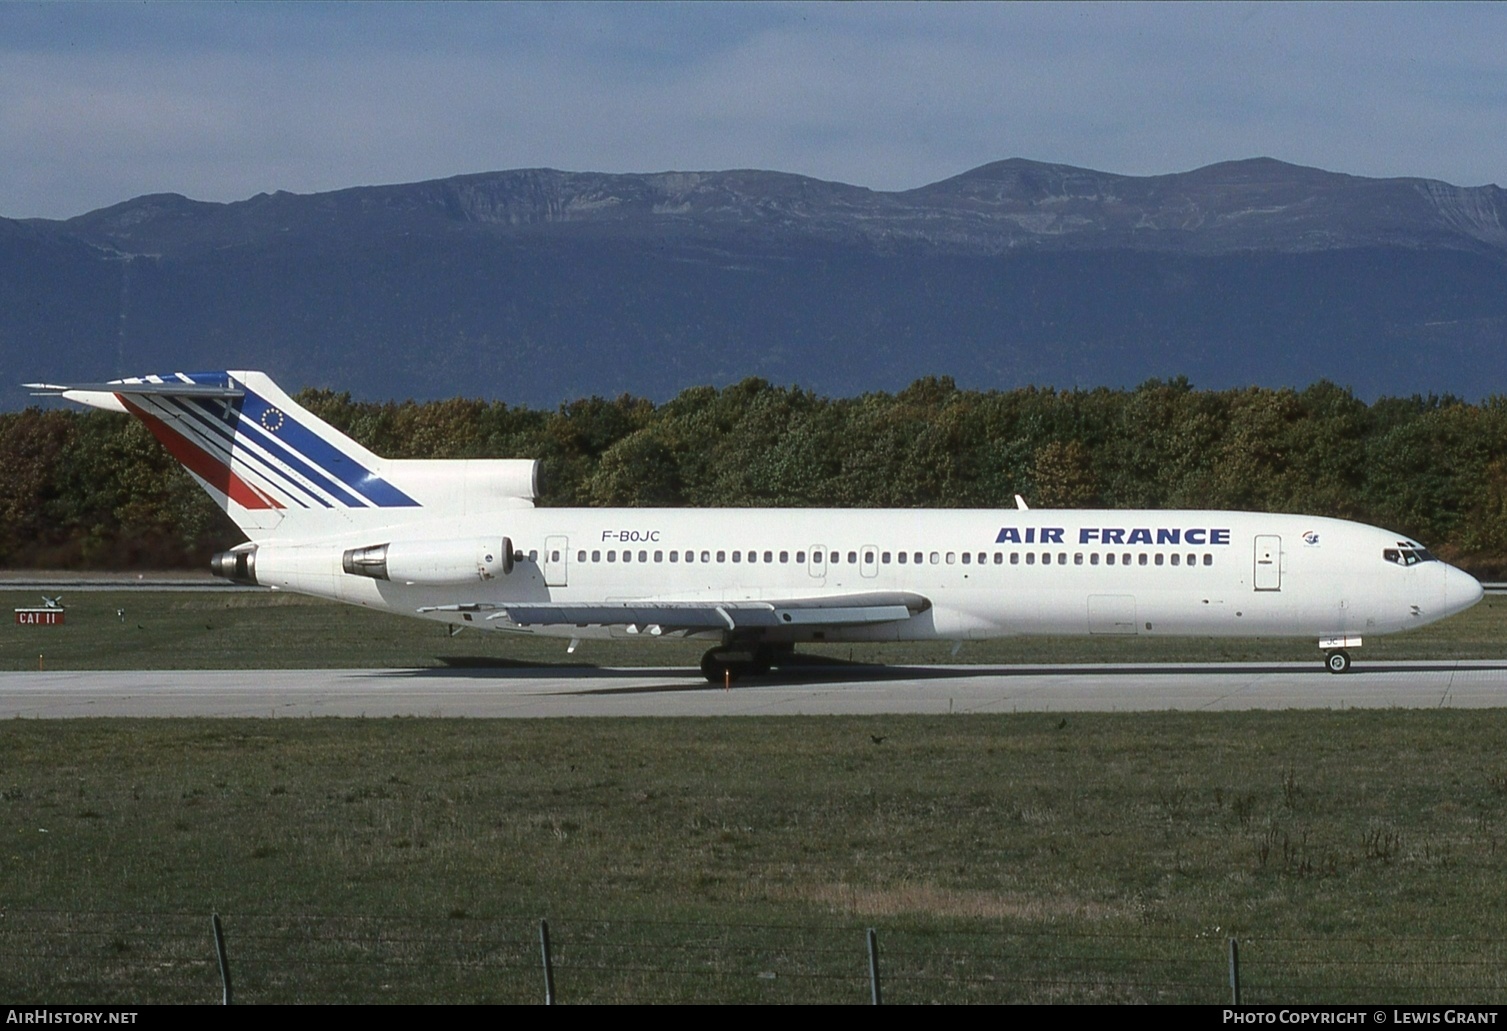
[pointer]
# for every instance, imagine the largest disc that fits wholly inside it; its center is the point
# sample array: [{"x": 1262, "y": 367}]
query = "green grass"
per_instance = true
[
  {"x": 1359, "y": 856},
  {"x": 244, "y": 630}
]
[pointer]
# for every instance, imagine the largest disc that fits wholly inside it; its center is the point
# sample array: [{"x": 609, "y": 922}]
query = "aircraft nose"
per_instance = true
[{"x": 1461, "y": 590}]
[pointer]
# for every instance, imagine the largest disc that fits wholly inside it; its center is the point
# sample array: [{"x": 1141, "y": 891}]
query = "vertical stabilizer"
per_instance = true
[
  {"x": 280, "y": 471},
  {"x": 261, "y": 455}
]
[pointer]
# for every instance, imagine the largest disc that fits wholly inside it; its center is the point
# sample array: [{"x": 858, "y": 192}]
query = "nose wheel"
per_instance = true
[{"x": 1337, "y": 661}]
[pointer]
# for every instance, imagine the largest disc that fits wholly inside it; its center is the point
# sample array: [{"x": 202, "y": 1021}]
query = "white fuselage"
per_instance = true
[
  {"x": 986, "y": 573},
  {"x": 461, "y": 541}
]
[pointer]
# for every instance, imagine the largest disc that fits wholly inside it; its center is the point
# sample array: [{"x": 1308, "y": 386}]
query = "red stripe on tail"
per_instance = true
[{"x": 201, "y": 463}]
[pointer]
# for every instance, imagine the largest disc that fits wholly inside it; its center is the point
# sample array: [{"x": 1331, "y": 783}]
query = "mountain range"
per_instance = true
[{"x": 539, "y": 286}]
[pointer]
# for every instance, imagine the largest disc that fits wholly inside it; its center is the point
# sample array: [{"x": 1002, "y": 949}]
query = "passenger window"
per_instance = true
[
  {"x": 800, "y": 558},
  {"x": 1093, "y": 558},
  {"x": 1175, "y": 557},
  {"x": 816, "y": 557},
  {"x": 596, "y": 556},
  {"x": 1015, "y": 558},
  {"x": 901, "y": 557},
  {"x": 1208, "y": 560},
  {"x": 643, "y": 556},
  {"x": 999, "y": 557},
  {"x": 1192, "y": 560},
  {"x": 674, "y": 556},
  {"x": 768, "y": 556},
  {"x": 659, "y": 556},
  {"x": 952, "y": 558},
  {"x": 1109, "y": 559},
  {"x": 706, "y": 556},
  {"x": 1046, "y": 558},
  {"x": 1159, "y": 558},
  {"x": 627, "y": 556},
  {"x": 784, "y": 557},
  {"x": 737, "y": 556},
  {"x": 690, "y": 556},
  {"x": 612, "y": 556},
  {"x": 936, "y": 557},
  {"x": 1078, "y": 558},
  {"x": 852, "y": 558},
  {"x": 884, "y": 557},
  {"x": 1030, "y": 558},
  {"x": 721, "y": 556},
  {"x": 580, "y": 556},
  {"x": 533, "y": 555},
  {"x": 967, "y": 558},
  {"x": 1143, "y": 558}
]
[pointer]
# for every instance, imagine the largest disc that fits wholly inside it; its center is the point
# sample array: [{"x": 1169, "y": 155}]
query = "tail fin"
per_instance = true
[{"x": 277, "y": 469}]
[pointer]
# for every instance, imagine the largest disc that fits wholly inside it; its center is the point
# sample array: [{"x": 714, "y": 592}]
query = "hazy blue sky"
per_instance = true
[{"x": 103, "y": 102}]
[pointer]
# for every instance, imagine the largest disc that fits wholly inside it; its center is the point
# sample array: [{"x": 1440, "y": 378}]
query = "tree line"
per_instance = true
[{"x": 93, "y": 490}]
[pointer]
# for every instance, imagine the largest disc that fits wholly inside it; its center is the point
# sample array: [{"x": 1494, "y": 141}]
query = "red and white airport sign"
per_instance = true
[{"x": 50, "y": 614}]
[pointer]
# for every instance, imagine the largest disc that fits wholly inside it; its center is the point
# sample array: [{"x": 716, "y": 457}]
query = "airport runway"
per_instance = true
[{"x": 565, "y": 691}]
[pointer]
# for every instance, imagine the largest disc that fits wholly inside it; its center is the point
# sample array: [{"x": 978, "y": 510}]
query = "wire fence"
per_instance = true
[{"x": 167, "y": 958}]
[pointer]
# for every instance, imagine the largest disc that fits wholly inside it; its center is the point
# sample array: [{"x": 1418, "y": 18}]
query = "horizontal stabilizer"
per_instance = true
[{"x": 169, "y": 388}]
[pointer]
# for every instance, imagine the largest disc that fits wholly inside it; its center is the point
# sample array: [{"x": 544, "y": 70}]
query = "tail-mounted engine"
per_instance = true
[
  {"x": 236, "y": 566},
  {"x": 432, "y": 562},
  {"x": 413, "y": 562}
]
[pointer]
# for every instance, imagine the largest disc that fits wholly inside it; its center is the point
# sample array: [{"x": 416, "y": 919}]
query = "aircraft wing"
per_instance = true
[{"x": 668, "y": 616}]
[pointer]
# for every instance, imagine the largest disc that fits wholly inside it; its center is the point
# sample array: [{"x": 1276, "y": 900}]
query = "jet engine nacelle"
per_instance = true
[{"x": 432, "y": 562}]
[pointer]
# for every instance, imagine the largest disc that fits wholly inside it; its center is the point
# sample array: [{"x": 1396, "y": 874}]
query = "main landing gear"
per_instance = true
[
  {"x": 733, "y": 661},
  {"x": 1337, "y": 661}
]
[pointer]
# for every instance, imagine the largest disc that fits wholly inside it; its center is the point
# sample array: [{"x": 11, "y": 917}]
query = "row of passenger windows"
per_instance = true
[{"x": 917, "y": 558}]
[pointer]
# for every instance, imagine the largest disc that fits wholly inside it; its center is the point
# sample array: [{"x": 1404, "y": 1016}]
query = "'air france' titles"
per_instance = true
[{"x": 1114, "y": 535}]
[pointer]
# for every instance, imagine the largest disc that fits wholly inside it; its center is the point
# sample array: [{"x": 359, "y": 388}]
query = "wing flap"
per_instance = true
[
  {"x": 836, "y": 610},
  {"x": 688, "y": 617}
]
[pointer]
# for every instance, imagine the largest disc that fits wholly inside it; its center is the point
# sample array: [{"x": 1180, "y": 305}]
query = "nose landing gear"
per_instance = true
[{"x": 1336, "y": 658}]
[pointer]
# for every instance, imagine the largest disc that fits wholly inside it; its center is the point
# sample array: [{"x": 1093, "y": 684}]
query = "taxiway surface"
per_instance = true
[{"x": 570, "y": 691}]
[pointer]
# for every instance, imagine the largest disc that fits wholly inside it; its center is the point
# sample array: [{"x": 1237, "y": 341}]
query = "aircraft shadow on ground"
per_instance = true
[{"x": 836, "y": 672}]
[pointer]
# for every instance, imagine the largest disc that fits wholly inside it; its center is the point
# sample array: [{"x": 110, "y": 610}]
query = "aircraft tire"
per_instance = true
[
  {"x": 718, "y": 670},
  {"x": 1337, "y": 662},
  {"x": 735, "y": 661}
]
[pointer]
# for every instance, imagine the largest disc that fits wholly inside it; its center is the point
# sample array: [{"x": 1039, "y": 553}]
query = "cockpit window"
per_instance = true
[{"x": 1407, "y": 555}]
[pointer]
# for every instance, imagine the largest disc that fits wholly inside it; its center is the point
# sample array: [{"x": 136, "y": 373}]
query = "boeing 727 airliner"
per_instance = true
[{"x": 460, "y": 541}]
